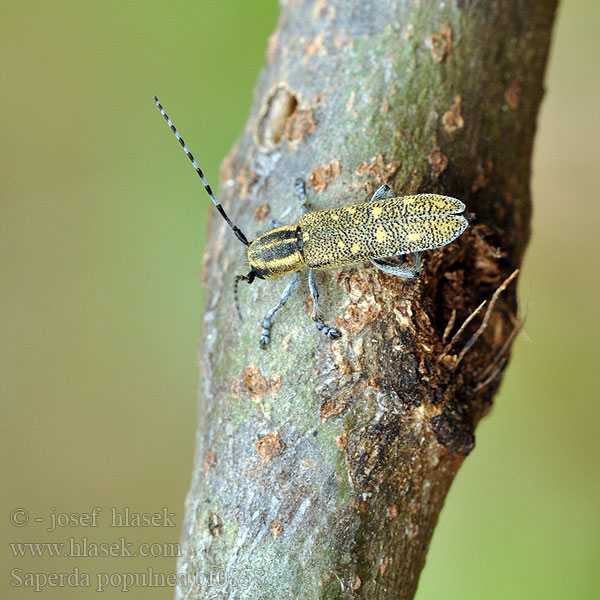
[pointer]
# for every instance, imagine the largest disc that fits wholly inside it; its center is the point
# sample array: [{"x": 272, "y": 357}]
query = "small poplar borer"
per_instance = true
[{"x": 379, "y": 231}]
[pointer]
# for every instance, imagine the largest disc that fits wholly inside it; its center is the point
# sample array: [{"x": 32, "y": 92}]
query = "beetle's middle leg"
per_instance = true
[
  {"x": 331, "y": 332},
  {"x": 292, "y": 286}
]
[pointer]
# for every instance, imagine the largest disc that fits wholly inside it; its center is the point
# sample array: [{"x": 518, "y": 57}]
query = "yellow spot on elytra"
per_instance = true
[
  {"x": 355, "y": 248},
  {"x": 341, "y": 245},
  {"x": 305, "y": 237},
  {"x": 381, "y": 234},
  {"x": 335, "y": 217},
  {"x": 415, "y": 237},
  {"x": 377, "y": 212},
  {"x": 350, "y": 209}
]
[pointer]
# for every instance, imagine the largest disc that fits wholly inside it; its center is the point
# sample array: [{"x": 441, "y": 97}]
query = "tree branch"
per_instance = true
[{"x": 321, "y": 467}]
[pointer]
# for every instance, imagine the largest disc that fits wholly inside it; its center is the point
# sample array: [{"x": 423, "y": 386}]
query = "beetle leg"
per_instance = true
[
  {"x": 385, "y": 191},
  {"x": 330, "y": 332},
  {"x": 402, "y": 270},
  {"x": 417, "y": 261},
  {"x": 301, "y": 191},
  {"x": 291, "y": 287}
]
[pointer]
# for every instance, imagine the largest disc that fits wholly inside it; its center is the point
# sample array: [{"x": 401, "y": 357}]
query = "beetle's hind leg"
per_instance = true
[
  {"x": 402, "y": 270},
  {"x": 385, "y": 191},
  {"x": 292, "y": 286},
  {"x": 330, "y": 332}
]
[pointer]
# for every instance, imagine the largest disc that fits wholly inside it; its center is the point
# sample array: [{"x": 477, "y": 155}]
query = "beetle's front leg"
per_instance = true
[
  {"x": 301, "y": 191},
  {"x": 330, "y": 332}
]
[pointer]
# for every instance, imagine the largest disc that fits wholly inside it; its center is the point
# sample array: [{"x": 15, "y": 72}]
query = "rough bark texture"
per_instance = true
[{"x": 321, "y": 467}]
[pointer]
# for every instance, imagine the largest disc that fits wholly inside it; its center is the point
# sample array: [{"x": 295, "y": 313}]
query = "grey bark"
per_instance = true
[{"x": 321, "y": 467}]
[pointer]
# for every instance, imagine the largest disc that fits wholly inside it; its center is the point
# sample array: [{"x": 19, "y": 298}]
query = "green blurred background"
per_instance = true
[{"x": 102, "y": 227}]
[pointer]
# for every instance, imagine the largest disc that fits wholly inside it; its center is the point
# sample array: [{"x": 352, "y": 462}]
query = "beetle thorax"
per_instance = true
[{"x": 276, "y": 253}]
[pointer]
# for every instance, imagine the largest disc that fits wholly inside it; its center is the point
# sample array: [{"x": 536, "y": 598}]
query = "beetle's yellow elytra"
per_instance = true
[
  {"x": 380, "y": 234},
  {"x": 380, "y": 229}
]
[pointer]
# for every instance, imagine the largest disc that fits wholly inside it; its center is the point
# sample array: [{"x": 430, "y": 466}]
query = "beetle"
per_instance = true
[{"x": 387, "y": 227}]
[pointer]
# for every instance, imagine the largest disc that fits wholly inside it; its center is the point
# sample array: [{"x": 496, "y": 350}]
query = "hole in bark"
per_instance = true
[{"x": 279, "y": 106}]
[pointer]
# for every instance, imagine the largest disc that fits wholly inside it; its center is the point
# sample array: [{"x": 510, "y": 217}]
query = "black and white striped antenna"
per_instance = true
[{"x": 207, "y": 187}]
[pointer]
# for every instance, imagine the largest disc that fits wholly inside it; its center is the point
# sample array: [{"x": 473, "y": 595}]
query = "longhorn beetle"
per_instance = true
[{"x": 383, "y": 228}]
